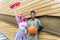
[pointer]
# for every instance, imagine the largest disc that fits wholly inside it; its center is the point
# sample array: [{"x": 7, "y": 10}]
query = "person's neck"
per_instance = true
[{"x": 32, "y": 18}]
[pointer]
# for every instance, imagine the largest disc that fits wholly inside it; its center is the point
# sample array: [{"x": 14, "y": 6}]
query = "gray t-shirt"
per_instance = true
[{"x": 36, "y": 22}]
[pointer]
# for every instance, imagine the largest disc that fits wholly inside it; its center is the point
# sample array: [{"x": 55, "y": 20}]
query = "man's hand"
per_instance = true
[{"x": 40, "y": 28}]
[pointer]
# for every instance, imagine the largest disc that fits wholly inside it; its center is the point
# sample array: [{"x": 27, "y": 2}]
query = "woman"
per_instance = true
[{"x": 21, "y": 32}]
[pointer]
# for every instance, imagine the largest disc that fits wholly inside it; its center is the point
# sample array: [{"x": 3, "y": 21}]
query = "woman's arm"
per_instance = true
[
  {"x": 26, "y": 30},
  {"x": 16, "y": 16}
]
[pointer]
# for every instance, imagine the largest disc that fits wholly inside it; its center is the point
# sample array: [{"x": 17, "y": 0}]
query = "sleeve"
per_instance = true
[
  {"x": 39, "y": 22},
  {"x": 27, "y": 23}
]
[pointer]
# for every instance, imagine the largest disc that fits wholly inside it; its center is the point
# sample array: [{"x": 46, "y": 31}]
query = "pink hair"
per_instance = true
[{"x": 20, "y": 18}]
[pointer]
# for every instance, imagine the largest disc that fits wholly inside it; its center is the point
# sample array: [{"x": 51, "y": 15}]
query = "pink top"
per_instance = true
[
  {"x": 22, "y": 21},
  {"x": 22, "y": 25}
]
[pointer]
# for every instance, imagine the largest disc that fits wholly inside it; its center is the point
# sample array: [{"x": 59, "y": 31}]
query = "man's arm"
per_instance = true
[
  {"x": 40, "y": 26},
  {"x": 39, "y": 22}
]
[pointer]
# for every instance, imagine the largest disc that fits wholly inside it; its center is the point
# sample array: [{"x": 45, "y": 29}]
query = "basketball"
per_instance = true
[{"x": 32, "y": 30}]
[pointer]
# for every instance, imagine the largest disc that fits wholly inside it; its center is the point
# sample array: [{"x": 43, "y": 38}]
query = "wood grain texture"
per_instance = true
[
  {"x": 7, "y": 29},
  {"x": 42, "y": 7}
]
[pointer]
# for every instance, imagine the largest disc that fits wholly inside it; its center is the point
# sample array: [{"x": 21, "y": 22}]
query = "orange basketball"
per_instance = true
[{"x": 32, "y": 30}]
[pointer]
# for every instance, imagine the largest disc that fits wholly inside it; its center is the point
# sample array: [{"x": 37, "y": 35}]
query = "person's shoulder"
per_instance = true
[
  {"x": 29, "y": 20},
  {"x": 36, "y": 19}
]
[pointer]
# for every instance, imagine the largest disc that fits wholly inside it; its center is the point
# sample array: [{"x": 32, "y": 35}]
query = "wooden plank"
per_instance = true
[
  {"x": 7, "y": 29},
  {"x": 21, "y": 9},
  {"x": 4, "y": 5},
  {"x": 45, "y": 13},
  {"x": 48, "y": 4},
  {"x": 47, "y": 8},
  {"x": 48, "y": 36},
  {"x": 39, "y": 13},
  {"x": 33, "y": 6},
  {"x": 54, "y": 14},
  {"x": 41, "y": 6}
]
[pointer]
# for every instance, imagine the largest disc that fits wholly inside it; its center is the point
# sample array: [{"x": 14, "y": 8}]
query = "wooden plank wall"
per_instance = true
[
  {"x": 7, "y": 29},
  {"x": 42, "y": 7}
]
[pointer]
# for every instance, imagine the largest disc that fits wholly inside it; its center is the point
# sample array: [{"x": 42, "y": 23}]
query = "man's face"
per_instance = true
[{"x": 32, "y": 16}]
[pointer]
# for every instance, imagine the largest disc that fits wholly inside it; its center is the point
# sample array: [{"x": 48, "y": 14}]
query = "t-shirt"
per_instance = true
[
  {"x": 34, "y": 22},
  {"x": 22, "y": 25}
]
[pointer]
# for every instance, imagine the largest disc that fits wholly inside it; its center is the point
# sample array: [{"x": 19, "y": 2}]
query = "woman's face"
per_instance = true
[{"x": 23, "y": 17}]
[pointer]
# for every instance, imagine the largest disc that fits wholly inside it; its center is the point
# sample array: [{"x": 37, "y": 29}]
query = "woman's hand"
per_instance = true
[{"x": 25, "y": 31}]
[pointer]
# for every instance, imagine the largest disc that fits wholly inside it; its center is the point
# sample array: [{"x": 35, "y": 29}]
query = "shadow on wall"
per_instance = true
[{"x": 51, "y": 23}]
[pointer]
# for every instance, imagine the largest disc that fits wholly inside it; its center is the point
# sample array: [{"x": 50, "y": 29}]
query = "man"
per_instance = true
[{"x": 33, "y": 22}]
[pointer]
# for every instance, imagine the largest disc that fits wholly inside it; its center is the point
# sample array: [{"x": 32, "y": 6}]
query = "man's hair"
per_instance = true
[{"x": 32, "y": 12}]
